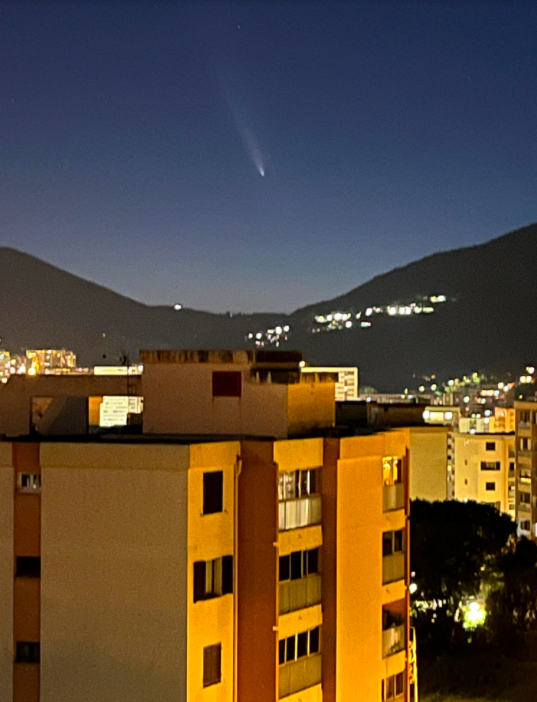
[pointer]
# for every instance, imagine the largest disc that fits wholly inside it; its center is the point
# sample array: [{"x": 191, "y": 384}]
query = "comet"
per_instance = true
[{"x": 243, "y": 124}]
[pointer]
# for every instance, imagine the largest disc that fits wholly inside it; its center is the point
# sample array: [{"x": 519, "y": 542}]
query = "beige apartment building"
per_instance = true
[
  {"x": 526, "y": 467},
  {"x": 485, "y": 469},
  {"x": 166, "y": 566}
]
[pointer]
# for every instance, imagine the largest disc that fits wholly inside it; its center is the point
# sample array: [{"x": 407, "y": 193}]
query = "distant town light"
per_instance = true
[{"x": 178, "y": 307}]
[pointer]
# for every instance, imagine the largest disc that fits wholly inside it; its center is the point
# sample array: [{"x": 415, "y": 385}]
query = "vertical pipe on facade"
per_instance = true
[{"x": 238, "y": 469}]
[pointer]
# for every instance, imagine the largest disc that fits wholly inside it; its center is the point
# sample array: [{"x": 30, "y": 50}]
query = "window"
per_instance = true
[
  {"x": 525, "y": 525},
  {"x": 392, "y": 469},
  {"x": 490, "y": 446},
  {"x": 392, "y": 542},
  {"x": 524, "y": 444},
  {"x": 511, "y": 467},
  {"x": 299, "y": 564},
  {"x": 29, "y": 482},
  {"x": 525, "y": 416},
  {"x": 212, "y": 665},
  {"x": 490, "y": 486},
  {"x": 307, "y": 643},
  {"x": 28, "y": 567},
  {"x": 393, "y": 686},
  {"x": 213, "y": 578},
  {"x": 27, "y": 652},
  {"x": 298, "y": 483},
  {"x": 213, "y": 492},
  {"x": 525, "y": 498},
  {"x": 490, "y": 465},
  {"x": 227, "y": 384}
]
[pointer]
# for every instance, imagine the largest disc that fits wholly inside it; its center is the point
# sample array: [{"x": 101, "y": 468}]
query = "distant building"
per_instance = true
[
  {"x": 485, "y": 469},
  {"x": 176, "y": 568},
  {"x": 347, "y": 380},
  {"x": 526, "y": 467},
  {"x": 46, "y": 360}
]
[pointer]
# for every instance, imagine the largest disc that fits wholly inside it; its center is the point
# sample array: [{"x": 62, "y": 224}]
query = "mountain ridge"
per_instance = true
[{"x": 485, "y": 322}]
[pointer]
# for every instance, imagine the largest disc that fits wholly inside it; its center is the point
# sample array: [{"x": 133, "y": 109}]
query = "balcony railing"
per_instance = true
[
  {"x": 393, "y": 640},
  {"x": 299, "y": 675},
  {"x": 301, "y": 593},
  {"x": 393, "y": 568},
  {"x": 524, "y": 453},
  {"x": 524, "y": 425},
  {"x": 524, "y": 507},
  {"x": 393, "y": 497},
  {"x": 301, "y": 512}
]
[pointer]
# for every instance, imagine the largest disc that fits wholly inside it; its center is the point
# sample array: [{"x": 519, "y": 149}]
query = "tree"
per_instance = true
[{"x": 456, "y": 551}]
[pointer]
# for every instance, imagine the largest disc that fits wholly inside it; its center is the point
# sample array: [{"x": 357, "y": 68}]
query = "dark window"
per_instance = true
[
  {"x": 313, "y": 482},
  {"x": 512, "y": 467},
  {"x": 302, "y": 645},
  {"x": 490, "y": 486},
  {"x": 213, "y": 578},
  {"x": 285, "y": 572},
  {"x": 525, "y": 525},
  {"x": 490, "y": 446},
  {"x": 199, "y": 581},
  {"x": 313, "y": 560},
  {"x": 212, "y": 665},
  {"x": 227, "y": 575},
  {"x": 490, "y": 465},
  {"x": 290, "y": 654},
  {"x": 281, "y": 646},
  {"x": 525, "y": 498},
  {"x": 314, "y": 640},
  {"x": 399, "y": 683},
  {"x": 296, "y": 565},
  {"x": 28, "y": 567},
  {"x": 27, "y": 652},
  {"x": 213, "y": 492},
  {"x": 227, "y": 384},
  {"x": 398, "y": 540},
  {"x": 387, "y": 543}
]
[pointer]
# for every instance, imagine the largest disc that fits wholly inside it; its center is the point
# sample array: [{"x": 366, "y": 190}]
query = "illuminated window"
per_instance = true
[
  {"x": 28, "y": 567},
  {"x": 212, "y": 665},
  {"x": 227, "y": 384},
  {"x": 27, "y": 652},
  {"x": 213, "y": 492},
  {"x": 299, "y": 483},
  {"x": 306, "y": 643},
  {"x": 213, "y": 578},
  {"x": 29, "y": 482},
  {"x": 392, "y": 470}
]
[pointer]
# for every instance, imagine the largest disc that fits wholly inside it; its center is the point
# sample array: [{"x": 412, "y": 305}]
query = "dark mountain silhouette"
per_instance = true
[{"x": 488, "y": 322}]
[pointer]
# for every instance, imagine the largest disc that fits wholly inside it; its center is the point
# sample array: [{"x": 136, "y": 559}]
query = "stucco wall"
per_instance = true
[{"x": 114, "y": 573}]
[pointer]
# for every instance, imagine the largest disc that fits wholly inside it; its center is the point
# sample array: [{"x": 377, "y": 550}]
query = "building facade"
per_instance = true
[
  {"x": 526, "y": 468},
  {"x": 240, "y": 570}
]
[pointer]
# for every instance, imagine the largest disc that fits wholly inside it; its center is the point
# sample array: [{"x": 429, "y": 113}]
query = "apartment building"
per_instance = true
[
  {"x": 160, "y": 567},
  {"x": 485, "y": 469},
  {"x": 526, "y": 467}
]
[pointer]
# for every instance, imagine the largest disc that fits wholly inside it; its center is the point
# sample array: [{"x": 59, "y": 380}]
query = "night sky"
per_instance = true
[{"x": 134, "y": 136}]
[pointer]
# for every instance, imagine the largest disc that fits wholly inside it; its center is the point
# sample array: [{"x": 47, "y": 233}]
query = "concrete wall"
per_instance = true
[
  {"x": 6, "y": 572},
  {"x": 114, "y": 573},
  {"x": 428, "y": 463},
  {"x": 210, "y": 536},
  {"x": 360, "y": 593},
  {"x": 311, "y": 405},
  {"x": 178, "y": 399}
]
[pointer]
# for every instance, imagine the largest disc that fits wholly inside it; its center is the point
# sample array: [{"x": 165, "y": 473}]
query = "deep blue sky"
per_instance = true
[{"x": 131, "y": 134}]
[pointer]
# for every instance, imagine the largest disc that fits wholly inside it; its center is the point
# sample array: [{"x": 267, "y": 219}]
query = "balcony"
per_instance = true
[
  {"x": 393, "y": 497},
  {"x": 299, "y": 675},
  {"x": 393, "y": 640},
  {"x": 301, "y": 593},
  {"x": 524, "y": 425},
  {"x": 301, "y": 512},
  {"x": 524, "y": 507},
  {"x": 393, "y": 568}
]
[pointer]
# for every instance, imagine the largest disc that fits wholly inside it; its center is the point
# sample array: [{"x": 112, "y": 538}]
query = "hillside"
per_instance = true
[{"x": 486, "y": 321}]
